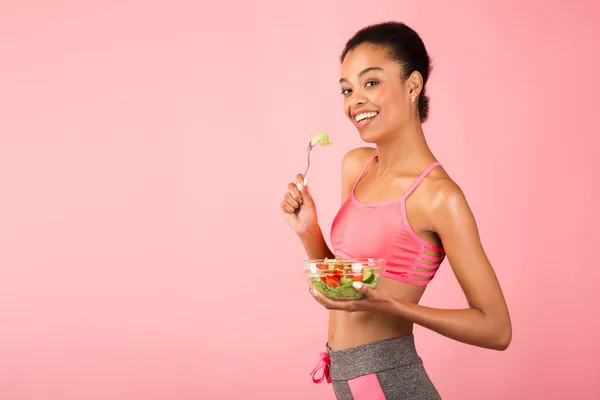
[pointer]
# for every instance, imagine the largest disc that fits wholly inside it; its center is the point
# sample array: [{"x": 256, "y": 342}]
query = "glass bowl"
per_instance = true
[{"x": 334, "y": 277}]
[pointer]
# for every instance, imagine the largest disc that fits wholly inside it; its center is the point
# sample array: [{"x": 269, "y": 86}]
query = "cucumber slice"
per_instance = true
[
  {"x": 374, "y": 283},
  {"x": 368, "y": 277}
]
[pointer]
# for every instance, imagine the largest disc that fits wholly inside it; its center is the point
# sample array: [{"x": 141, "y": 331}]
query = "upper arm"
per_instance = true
[
  {"x": 353, "y": 164},
  {"x": 455, "y": 224}
]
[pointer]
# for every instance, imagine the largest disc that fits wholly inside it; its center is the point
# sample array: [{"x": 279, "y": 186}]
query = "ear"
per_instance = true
[{"x": 415, "y": 84}]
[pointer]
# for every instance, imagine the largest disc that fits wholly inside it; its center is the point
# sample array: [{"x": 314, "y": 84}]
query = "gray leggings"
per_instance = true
[{"x": 388, "y": 369}]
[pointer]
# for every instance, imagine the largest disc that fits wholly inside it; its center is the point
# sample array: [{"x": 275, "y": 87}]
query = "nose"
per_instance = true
[{"x": 357, "y": 100}]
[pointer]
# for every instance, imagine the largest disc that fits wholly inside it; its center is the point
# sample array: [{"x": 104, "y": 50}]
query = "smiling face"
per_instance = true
[{"x": 376, "y": 98}]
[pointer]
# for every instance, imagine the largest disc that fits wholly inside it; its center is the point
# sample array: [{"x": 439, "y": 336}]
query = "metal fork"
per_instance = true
[{"x": 308, "y": 150}]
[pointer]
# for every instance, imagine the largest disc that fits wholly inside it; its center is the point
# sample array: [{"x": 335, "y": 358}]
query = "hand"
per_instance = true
[
  {"x": 374, "y": 300},
  {"x": 298, "y": 207}
]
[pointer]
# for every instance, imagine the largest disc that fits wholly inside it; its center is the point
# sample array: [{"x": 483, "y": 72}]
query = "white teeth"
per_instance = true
[{"x": 362, "y": 116}]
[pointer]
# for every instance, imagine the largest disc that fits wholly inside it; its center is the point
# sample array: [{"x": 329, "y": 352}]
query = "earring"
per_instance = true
[{"x": 412, "y": 99}]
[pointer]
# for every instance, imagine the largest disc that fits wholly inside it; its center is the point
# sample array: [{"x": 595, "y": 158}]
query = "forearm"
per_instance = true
[
  {"x": 470, "y": 326},
  {"x": 315, "y": 245}
]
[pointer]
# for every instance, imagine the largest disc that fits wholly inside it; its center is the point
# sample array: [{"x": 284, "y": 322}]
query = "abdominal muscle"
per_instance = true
[{"x": 362, "y": 327}]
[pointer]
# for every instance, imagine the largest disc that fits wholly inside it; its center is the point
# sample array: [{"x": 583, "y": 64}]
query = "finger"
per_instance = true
[
  {"x": 294, "y": 192},
  {"x": 300, "y": 182},
  {"x": 287, "y": 208},
  {"x": 306, "y": 196},
  {"x": 291, "y": 201},
  {"x": 362, "y": 288},
  {"x": 320, "y": 299},
  {"x": 331, "y": 304}
]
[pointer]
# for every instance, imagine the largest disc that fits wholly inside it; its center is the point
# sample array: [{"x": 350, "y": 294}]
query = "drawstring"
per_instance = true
[{"x": 323, "y": 363}]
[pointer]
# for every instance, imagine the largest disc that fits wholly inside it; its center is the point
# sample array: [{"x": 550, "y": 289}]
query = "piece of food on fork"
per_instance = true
[{"x": 322, "y": 138}]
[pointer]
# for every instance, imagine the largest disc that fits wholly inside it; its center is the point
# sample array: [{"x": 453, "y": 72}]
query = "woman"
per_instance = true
[{"x": 399, "y": 204}]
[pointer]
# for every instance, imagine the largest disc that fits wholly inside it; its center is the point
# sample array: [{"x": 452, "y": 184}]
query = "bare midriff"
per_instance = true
[{"x": 362, "y": 327}]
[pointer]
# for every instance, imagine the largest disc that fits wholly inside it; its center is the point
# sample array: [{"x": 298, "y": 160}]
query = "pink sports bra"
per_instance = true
[{"x": 381, "y": 230}]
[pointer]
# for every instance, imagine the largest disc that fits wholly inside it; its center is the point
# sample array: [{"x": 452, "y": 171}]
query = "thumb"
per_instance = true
[
  {"x": 362, "y": 288},
  {"x": 305, "y": 191}
]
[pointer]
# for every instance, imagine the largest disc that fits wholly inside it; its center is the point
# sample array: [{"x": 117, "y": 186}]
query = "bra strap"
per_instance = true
[
  {"x": 364, "y": 172},
  {"x": 420, "y": 179}
]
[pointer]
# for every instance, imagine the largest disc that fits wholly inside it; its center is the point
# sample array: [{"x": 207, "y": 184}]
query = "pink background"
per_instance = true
[{"x": 142, "y": 259}]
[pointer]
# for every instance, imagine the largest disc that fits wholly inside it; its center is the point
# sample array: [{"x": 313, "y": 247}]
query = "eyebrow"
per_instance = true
[{"x": 364, "y": 71}]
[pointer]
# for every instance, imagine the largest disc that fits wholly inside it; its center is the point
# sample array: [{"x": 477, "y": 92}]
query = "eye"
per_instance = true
[
  {"x": 371, "y": 83},
  {"x": 346, "y": 92}
]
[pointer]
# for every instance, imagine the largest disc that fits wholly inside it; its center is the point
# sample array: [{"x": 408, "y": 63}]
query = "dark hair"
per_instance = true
[{"x": 404, "y": 46}]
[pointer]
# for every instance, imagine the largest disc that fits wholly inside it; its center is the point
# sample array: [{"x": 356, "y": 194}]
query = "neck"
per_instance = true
[{"x": 406, "y": 151}]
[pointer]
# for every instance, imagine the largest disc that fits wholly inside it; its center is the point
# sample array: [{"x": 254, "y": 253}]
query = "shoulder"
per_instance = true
[
  {"x": 445, "y": 192},
  {"x": 353, "y": 164},
  {"x": 355, "y": 161},
  {"x": 448, "y": 203}
]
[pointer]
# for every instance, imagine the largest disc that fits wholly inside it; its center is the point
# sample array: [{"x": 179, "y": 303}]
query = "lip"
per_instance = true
[{"x": 364, "y": 122}]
